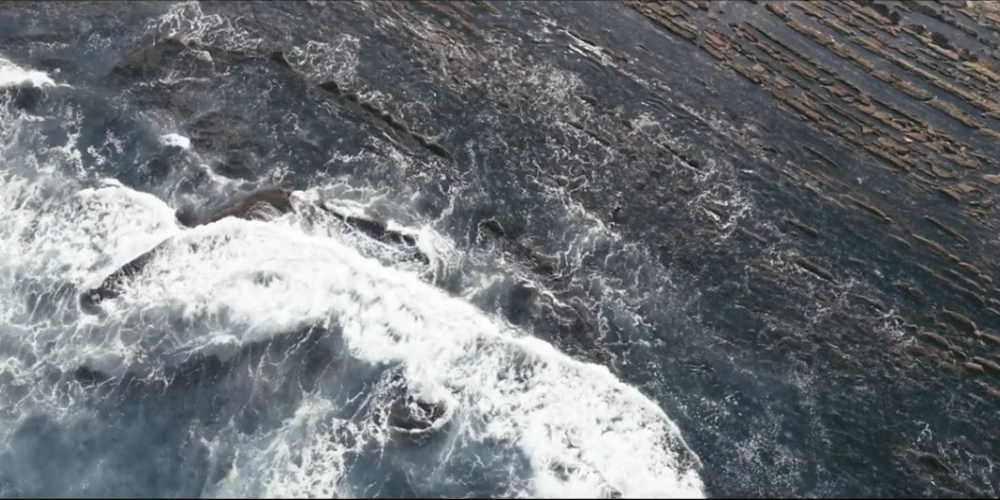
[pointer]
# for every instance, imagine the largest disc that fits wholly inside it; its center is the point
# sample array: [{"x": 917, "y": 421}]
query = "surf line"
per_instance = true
[{"x": 260, "y": 205}]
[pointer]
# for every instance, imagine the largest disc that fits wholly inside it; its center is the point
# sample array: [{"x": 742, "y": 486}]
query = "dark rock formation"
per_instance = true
[{"x": 259, "y": 205}]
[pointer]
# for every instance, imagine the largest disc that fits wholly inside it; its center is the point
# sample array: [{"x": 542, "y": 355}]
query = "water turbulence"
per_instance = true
[{"x": 275, "y": 358}]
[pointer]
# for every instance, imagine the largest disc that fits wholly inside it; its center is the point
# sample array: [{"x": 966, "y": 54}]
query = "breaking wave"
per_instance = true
[{"x": 526, "y": 419}]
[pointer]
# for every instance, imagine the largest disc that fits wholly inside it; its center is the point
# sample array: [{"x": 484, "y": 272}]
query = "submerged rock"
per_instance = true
[{"x": 259, "y": 205}]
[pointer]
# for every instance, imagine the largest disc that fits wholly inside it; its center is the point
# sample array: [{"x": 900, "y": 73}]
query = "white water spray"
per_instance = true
[{"x": 582, "y": 431}]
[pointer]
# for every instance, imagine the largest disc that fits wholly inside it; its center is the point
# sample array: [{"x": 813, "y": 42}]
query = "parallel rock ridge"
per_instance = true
[
  {"x": 930, "y": 109},
  {"x": 946, "y": 79}
]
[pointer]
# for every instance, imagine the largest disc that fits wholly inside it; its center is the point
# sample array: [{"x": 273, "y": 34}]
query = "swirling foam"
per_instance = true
[{"x": 582, "y": 431}]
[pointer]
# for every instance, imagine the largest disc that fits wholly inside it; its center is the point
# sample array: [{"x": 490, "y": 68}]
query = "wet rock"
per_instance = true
[
  {"x": 278, "y": 57},
  {"x": 801, "y": 226},
  {"x": 892, "y": 15},
  {"x": 219, "y": 130},
  {"x": 113, "y": 285},
  {"x": 932, "y": 462},
  {"x": 941, "y": 40},
  {"x": 376, "y": 115},
  {"x": 152, "y": 57},
  {"x": 522, "y": 251},
  {"x": 493, "y": 227},
  {"x": 331, "y": 87},
  {"x": 169, "y": 161},
  {"x": 915, "y": 350},
  {"x": 407, "y": 414},
  {"x": 37, "y": 37},
  {"x": 540, "y": 263},
  {"x": 815, "y": 269},
  {"x": 987, "y": 364},
  {"x": 238, "y": 164},
  {"x": 411, "y": 415},
  {"x": 259, "y": 205},
  {"x": 256, "y": 206},
  {"x": 974, "y": 367},
  {"x": 186, "y": 215},
  {"x": 25, "y": 98},
  {"x": 378, "y": 230}
]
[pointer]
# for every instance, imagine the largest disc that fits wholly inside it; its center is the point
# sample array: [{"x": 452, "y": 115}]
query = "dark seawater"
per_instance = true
[{"x": 608, "y": 254}]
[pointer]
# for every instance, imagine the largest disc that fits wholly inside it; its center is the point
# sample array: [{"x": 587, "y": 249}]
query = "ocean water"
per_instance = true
[{"x": 209, "y": 388}]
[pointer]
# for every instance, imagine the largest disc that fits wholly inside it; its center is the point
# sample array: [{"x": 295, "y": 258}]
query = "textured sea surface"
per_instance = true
[{"x": 677, "y": 249}]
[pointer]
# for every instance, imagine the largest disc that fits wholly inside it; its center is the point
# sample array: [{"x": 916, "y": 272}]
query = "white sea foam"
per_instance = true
[
  {"x": 175, "y": 140},
  {"x": 581, "y": 431},
  {"x": 12, "y": 75}
]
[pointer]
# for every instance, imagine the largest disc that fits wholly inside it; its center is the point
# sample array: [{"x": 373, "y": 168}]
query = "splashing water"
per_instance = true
[{"x": 528, "y": 420}]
